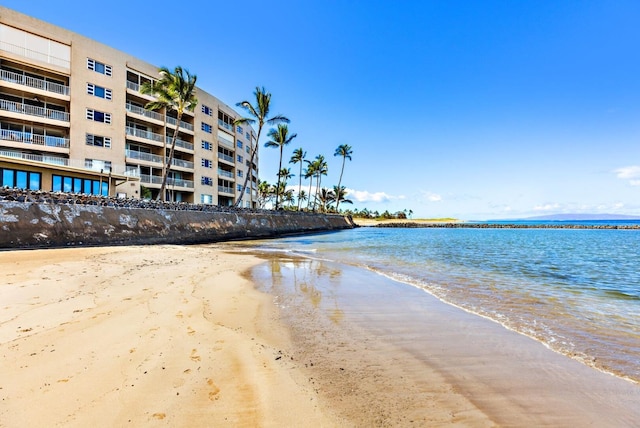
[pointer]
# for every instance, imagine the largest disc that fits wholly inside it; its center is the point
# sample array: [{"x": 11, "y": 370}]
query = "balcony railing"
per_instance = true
[
  {"x": 225, "y": 125},
  {"x": 131, "y": 154},
  {"x": 155, "y": 179},
  {"x": 182, "y": 163},
  {"x": 28, "y": 53},
  {"x": 181, "y": 143},
  {"x": 226, "y": 143},
  {"x": 226, "y": 157},
  {"x": 133, "y": 86},
  {"x": 183, "y": 124},
  {"x": 30, "y": 110},
  {"x": 144, "y": 112},
  {"x": 225, "y": 173},
  {"x": 60, "y": 161},
  {"x": 37, "y": 139},
  {"x": 224, "y": 189},
  {"x": 32, "y": 82},
  {"x": 144, "y": 134}
]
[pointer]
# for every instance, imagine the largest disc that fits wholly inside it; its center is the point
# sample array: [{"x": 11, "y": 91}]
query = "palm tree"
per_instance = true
[
  {"x": 339, "y": 195},
  {"x": 279, "y": 138},
  {"x": 302, "y": 196},
  {"x": 259, "y": 113},
  {"x": 297, "y": 157},
  {"x": 173, "y": 91},
  {"x": 321, "y": 168},
  {"x": 310, "y": 172},
  {"x": 265, "y": 190},
  {"x": 324, "y": 197},
  {"x": 345, "y": 151}
]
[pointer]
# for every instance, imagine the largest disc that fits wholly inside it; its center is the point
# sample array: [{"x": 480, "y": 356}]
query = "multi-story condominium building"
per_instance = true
[{"x": 73, "y": 119}]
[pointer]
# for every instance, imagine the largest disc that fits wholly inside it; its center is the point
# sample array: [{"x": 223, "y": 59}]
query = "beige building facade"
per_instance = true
[{"x": 72, "y": 119}]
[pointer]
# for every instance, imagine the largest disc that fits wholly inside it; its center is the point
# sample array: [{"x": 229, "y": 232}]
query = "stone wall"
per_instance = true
[{"x": 44, "y": 220}]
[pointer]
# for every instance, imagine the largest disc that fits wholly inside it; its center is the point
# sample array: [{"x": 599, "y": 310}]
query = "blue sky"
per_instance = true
[{"x": 466, "y": 109}]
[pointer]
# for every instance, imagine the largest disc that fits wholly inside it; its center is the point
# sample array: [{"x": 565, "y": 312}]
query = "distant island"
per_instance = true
[{"x": 580, "y": 217}]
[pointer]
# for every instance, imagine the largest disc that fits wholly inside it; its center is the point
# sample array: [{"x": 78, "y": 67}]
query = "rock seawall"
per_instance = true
[{"x": 34, "y": 221}]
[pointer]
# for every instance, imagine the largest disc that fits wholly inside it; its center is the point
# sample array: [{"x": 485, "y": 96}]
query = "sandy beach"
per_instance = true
[{"x": 200, "y": 336}]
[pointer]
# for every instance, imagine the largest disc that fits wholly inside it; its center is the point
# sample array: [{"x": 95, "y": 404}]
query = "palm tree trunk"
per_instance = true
[
  {"x": 339, "y": 183},
  {"x": 299, "y": 184},
  {"x": 169, "y": 160},
  {"x": 246, "y": 178},
  {"x": 279, "y": 169},
  {"x": 309, "y": 200}
]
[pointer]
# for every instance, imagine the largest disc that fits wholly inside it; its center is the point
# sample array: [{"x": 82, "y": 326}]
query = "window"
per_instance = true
[
  {"x": 98, "y": 141},
  {"x": 67, "y": 184},
  {"x": 98, "y": 91},
  {"x": 20, "y": 179},
  {"x": 207, "y": 181},
  {"x": 239, "y": 173},
  {"x": 207, "y": 163},
  {"x": 239, "y": 187},
  {"x": 206, "y": 199},
  {"x": 239, "y": 144},
  {"x": 207, "y": 145},
  {"x": 240, "y": 158},
  {"x": 98, "y": 67},
  {"x": 248, "y": 136},
  {"x": 98, "y": 116},
  {"x": 206, "y": 127},
  {"x": 240, "y": 130},
  {"x": 97, "y": 165},
  {"x": 207, "y": 110},
  {"x": 247, "y": 149}
]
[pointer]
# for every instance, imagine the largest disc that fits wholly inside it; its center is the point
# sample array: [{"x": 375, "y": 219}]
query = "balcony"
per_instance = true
[
  {"x": 181, "y": 163},
  {"x": 144, "y": 112},
  {"x": 29, "y": 53},
  {"x": 133, "y": 86},
  {"x": 143, "y": 134},
  {"x": 226, "y": 143},
  {"x": 60, "y": 161},
  {"x": 181, "y": 143},
  {"x": 225, "y": 125},
  {"x": 224, "y": 189},
  {"x": 37, "y": 139},
  {"x": 155, "y": 179},
  {"x": 148, "y": 157},
  {"x": 226, "y": 158},
  {"x": 183, "y": 124},
  {"x": 224, "y": 173},
  {"x": 32, "y": 82},
  {"x": 15, "y": 107}
]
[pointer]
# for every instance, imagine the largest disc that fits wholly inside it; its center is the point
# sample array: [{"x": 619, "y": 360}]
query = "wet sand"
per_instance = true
[
  {"x": 392, "y": 355},
  {"x": 177, "y": 336}
]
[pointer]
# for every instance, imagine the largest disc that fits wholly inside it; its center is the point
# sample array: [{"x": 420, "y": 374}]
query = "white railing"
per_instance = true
[
  {"x": 32, "y": 82},
  {"x": 225, "y": 157},
  {"x": 183, "y": 124},
  {"x": 28, "y": 53},
  {"x": 181, "y": 163},
  {"x": 132, "y": 154},
  {"x": 223, "y": 189},
  {"x": 144, "y": 134},
  {"x": 30, "y": 110},
  {"x": 29, "y": 138},
  {"x": 181, "y": 143},
  {"x": 155, "y": 179},
  {"x": 60, "y": 161},
  {"x": 224, "y": 173},
  {"x": 144, "y": 112},
  {"x": 225, "y": 125},
  {"x": 133, "y": 86}
]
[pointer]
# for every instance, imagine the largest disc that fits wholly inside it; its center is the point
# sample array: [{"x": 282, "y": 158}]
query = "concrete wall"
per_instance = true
[{"x": 44, "y": 225}]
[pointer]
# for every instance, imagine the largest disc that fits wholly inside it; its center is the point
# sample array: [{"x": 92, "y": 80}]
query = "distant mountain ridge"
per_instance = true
[{"x": 582, "y": 217}]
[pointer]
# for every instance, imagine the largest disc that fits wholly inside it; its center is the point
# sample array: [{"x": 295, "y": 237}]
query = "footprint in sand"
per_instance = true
[
  {"x": 213, "y": 394},
  {"x": 194, "y": 355},
  {"x": 190, "y": 331},
  {"x": 159, "y": 415}
]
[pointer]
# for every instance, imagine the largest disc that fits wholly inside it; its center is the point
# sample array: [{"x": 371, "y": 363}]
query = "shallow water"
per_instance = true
[{"x": 576, "y": 291}]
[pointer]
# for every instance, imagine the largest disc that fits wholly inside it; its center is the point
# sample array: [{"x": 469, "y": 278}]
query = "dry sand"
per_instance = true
[{"x": 142, "y": 336}]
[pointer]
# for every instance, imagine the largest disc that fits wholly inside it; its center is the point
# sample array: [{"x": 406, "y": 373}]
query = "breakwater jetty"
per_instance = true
[
  {"x": 46, "y": 220},
  {"x": 462, "y": 225}
]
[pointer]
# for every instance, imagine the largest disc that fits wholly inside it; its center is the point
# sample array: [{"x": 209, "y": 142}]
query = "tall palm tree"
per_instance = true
[
  {"x": 258, "y": 113},
  {"x": 297, "y": 157},
  {"x": 321, "y": 168},
  {"x": 338, "y": 195},
  {"x": 173, "y": 91},
  {"x": 279, "y": 138},
  {"x": 310, "y": 172},
  {"x": 302, "y": 196},
  {"x": 345, "y": 151}
]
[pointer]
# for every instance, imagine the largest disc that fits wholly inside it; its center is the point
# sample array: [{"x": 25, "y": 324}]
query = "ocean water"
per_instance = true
[{"x": 576, "y": 291}]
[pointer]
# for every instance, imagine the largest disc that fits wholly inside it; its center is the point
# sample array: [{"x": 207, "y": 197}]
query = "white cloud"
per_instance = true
[
  {"x": 366, "y": 196},
  {"x": 546, "y": 207},
  {"x": 631, "y": 173}
]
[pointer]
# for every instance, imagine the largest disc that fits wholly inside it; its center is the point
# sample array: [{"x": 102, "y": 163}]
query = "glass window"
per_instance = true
[
  {"x": 96, "y": 187},
  {"x": 7, "y": 178},
  {"x": 67, "y": 184},
  {"x": 21, "y": 179},
  {"x": 77, "y": 185},
  {"x": 105, "y": 189},
  {"x": 56, "y": 185},
  {"x": 35, "y": 181},
  {"x": 86, "y": 188},
  {"x": 206, "y": 127}
]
